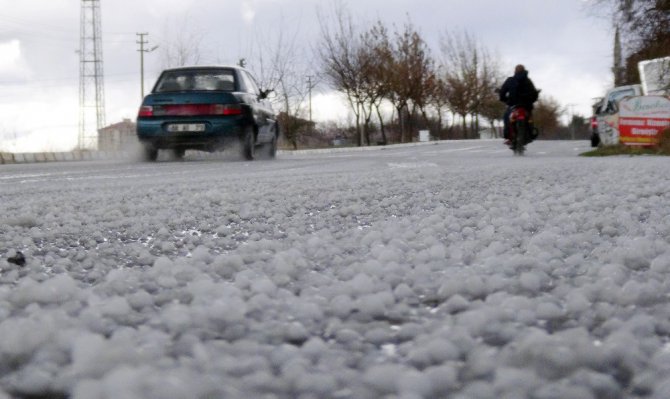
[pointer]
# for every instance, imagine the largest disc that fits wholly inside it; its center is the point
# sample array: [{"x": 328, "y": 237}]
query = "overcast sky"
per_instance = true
[{"x": 565, "y": 46}]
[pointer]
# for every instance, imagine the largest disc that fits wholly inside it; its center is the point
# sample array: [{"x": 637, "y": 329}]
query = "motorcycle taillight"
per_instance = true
[{"x": 519, "y": 114}]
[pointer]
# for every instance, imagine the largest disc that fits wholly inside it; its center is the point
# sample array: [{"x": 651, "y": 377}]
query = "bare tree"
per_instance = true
[
  {"x": 286, "y": 69},
  {"x": 457, "y": 71},
  {"x": 471, "y": 75},
  {"x": 546, "y": 114},
  {"x": 376, "y": 61},
  {"x": 339, "y": 52},
  {"x": 8, "y": 138},
  {"x": 181, "y": 43},
  {"x": 486, "y": 82},
  {"x": 412, "y": 76},
  {"x": 644, "y": 21},
  {"x": 492, "y": 109},
  {"x": 438, "y": 98}
]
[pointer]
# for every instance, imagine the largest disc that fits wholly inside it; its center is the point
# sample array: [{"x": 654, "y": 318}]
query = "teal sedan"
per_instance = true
[{"x": 207, "y": 108}]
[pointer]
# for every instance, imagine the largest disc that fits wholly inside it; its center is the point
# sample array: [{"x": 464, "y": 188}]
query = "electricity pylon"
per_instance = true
[{"x": 91, "y": 78}]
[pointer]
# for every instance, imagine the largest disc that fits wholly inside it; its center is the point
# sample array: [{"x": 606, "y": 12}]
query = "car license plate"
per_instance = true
[{"x": 186, "y": 127}]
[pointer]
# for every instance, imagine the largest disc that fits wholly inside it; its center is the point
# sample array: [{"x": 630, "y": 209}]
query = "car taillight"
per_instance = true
[
  {"x": 190, "y": 110},
  {"x": 226, "y": 109},
  {"x": 197, "y": 109},
  {"x": 146, "y": 110}
]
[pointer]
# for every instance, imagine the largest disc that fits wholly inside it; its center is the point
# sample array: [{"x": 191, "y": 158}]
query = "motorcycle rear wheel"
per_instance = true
[{"x": 520, "y": 134}]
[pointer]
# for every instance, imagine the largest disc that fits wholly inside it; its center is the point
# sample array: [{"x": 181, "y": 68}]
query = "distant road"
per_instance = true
[{"x": 442, "y": 153}]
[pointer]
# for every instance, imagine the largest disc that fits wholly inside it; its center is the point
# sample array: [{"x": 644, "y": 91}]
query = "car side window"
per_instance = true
[
  {"x": 250, "y": 83},
  {"x": 613, "y": 99}
]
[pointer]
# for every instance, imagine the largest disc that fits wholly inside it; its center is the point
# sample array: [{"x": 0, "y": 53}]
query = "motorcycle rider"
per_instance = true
[{"x": 518, "y": 90}]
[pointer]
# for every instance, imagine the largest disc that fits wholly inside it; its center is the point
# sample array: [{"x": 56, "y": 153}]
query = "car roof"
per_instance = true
[{"x": 196, "y": 67}]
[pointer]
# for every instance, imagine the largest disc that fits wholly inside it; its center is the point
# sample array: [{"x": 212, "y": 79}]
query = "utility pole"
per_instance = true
[
  {"x": 572, "y": 121},
  {"x": 142, "y": 50},
  {"x": 309, "y": 87}
]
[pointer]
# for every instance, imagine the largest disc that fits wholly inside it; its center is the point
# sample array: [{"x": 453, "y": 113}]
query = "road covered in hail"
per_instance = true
[{"x": 444, "y": 270}]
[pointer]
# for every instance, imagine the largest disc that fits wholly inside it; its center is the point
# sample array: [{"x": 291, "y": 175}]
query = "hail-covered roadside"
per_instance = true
[{"x": 450, "y": 270}]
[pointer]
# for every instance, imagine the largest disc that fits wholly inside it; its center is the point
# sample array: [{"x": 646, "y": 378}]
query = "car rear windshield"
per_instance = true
[{"x": 196, "y": 80}]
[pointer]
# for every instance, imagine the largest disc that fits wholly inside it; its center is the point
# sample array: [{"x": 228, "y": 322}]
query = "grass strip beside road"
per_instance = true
[{"x": 663, "y": 148}]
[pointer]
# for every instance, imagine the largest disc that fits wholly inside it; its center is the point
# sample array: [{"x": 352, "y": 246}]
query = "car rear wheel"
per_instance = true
[
  {"x": 150, "y": 154},
  {"x": 272, "y": 147},
  {"x": 249, "y": 144},
  {"x": 178, "y": 153},
  {"x": 595, "y": 140}
]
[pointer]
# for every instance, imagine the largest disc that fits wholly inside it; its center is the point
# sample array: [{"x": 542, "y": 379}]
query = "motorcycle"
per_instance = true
[{"x": 521, "y": 129}]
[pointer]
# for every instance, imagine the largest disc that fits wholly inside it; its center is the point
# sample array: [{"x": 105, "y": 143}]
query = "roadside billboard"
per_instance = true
[
  {"x": 642, "y": 118},
  {"x": 655, "y": 76}
]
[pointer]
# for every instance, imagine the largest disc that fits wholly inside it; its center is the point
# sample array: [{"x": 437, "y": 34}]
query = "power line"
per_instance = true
[
  {"x": 25, "y": 29},
  {"x": 61, "y": 79},
  {"x": 32, "y": 26}
]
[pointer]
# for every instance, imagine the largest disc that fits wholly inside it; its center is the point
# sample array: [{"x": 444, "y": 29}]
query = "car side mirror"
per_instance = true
[{"x": 264, "y": 94}]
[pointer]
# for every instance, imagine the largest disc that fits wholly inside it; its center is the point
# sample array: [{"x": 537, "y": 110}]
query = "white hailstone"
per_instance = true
[
  {"x": 361, "y": 284},
  {"x": 314, "y": 348},
  {"x": 227, "y": 265},
  {"x": 176, "y": 317},
  {"x": 116, "y": 307},
  {"x": 403, "y": 291},
  {"x": 201, "y": 254},
  {"x": 531, "y": 281},
  {"x": 385, "y": 378},
  {"x": 86, "y": 389},
  {"x": 456, "y": 304},
  {"x": 163, "y": 233},
  {"x": 341, "y": 306},
  {"x": 443, "y": 378},
  {"x": 375, "y": 305},
  {"x": 548, "y": 310},
  {"x": 661, "y": 264},
  {"x": 21, "y": 337},
  {"x": 414, "y": 382},
  {"x": 296, "y": 332},
  {"x": 55, "y": 290},
  {"x": 264, "y": 285},
  {"x": 577, "y": 302}
]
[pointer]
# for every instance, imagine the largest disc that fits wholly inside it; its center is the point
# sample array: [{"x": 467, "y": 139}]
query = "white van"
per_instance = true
[{"x": 603, "y": 121}]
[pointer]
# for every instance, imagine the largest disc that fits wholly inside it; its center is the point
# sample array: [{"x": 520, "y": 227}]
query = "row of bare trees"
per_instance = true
[{"x": 376, "y": 69}]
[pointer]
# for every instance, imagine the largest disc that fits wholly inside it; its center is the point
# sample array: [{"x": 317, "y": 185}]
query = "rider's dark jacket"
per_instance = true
[{"x": 519, "y": 90}]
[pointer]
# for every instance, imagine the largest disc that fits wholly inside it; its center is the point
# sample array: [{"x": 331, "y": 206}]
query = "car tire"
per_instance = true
[
  {"x": 249, "y": 144},
  {"x": 178, "y": 153},
  {"x": 272, "y": 147},
  {"x": 150, "y": 154},
  {"x": 595, "y": 140}
]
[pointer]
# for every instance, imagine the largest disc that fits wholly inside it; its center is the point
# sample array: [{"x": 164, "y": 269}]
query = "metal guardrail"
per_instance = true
[{"x": 69, "y": 156}]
